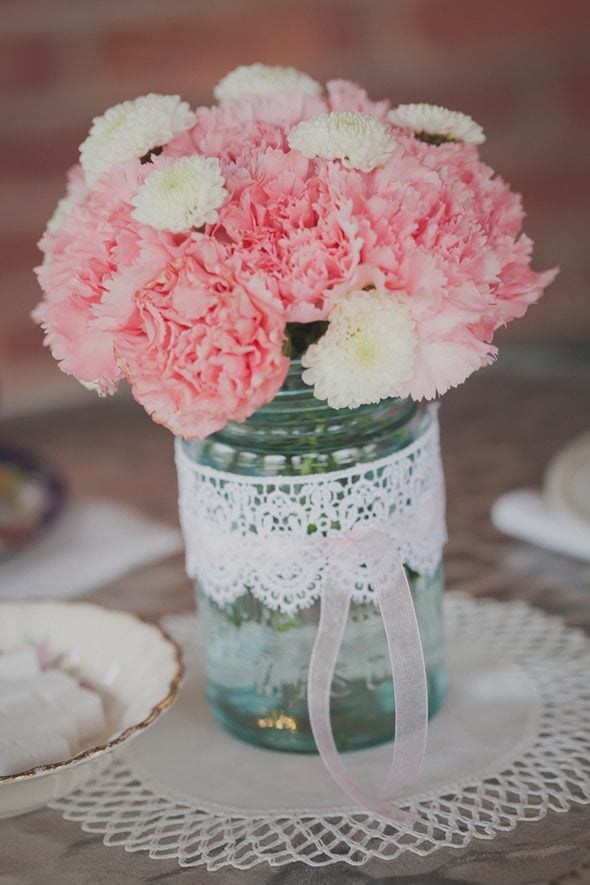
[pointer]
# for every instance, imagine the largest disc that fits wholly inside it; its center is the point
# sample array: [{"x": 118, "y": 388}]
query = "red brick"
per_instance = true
[
  {"x": 27, "y": 62},
  {"x": 489, "y": 101},
  {"x": 38, "y": 112},
  {"x": 19, "y": 252},
  {"x": 524, "y": 21},
  {"x": 575, "y": 93},
  {"x": 20, "y": 339},
  {"x": 27, "y": 204},
  {"x": 552, "y": 189},
  {"x": 20, "y": 293},
  {"x": 559, "y": 239},
  {"x": 561, "y": 314},
  {"x": 202, "y": 48},
  {"x": 46, "y": 154}
]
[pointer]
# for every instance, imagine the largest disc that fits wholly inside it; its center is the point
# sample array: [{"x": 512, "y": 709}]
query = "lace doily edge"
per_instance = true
[
  {"x": 202, "y": 832},
  {"x": 249, "y": 838}
]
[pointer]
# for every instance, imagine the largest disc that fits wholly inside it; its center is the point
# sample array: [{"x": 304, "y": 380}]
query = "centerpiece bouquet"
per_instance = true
[{"x": 284, "y": 279}]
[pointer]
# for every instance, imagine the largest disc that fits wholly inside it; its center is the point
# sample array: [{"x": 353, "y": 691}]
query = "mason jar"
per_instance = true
[{"x": 256, "y": 657}]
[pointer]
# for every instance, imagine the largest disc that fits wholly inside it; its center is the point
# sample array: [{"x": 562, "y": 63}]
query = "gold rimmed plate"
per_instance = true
[{"x": 133, "y": 664}]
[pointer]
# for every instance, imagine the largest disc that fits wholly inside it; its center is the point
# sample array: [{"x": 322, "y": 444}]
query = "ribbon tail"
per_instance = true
[{"x": 410, "y": 687}]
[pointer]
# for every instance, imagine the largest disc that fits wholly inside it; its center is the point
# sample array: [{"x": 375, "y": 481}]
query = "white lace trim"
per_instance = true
[
  {"x": 251, "y": 532},
  {"x": 548, "y": 770}
]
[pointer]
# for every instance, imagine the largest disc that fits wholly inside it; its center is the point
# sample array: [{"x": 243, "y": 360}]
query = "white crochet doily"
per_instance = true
[
  {"x": 511, "y": 742},
  {"x": 279, "y": 536}
]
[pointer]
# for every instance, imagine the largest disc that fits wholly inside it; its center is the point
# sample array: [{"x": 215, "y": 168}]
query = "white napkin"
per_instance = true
[
  {"x": 525, "y": 514},
  {"x": 91, "y": 544}
]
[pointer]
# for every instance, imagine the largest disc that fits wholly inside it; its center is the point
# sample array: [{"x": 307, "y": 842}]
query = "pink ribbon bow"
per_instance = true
[{"x": 367, "y": 546}]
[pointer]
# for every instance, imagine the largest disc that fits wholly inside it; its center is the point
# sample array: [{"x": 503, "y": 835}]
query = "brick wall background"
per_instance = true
[{"x": 520, "y": 67}]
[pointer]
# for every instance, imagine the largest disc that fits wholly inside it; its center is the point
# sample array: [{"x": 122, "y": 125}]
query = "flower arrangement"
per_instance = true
[{"x": 196, "y": 252}]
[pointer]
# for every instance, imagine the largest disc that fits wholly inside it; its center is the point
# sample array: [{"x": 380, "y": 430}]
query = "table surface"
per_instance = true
[{"x": 498, "y": 432}]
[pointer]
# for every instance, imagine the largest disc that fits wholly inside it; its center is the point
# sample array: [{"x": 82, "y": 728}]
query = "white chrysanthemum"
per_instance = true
[
  {"x": 358, "y": 140},
  {"x": 366, "y": 354},
  {"x": 131, "y": 130},
  {"x": 248, "y": 81},
  {"x": 436, "y": 124},
  {"x": 183, "y": 195}
]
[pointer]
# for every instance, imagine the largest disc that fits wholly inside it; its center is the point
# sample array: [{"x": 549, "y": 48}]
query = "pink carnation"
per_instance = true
[
  {"x": 437, "y": 226},
  {"x": 198, "y": 347},
  {"x": 283, "y": 223},
  {"x": 196, "y": 321},
  {"x": 97, "y": 240}
]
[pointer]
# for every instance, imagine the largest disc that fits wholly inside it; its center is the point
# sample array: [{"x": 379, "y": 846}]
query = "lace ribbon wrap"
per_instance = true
[
  {"x": 279, "y": 536},
  {"x": 336, "y": 537}
]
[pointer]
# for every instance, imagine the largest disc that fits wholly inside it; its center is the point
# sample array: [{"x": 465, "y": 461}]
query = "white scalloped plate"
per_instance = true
[{"x": 134, "y": 665}]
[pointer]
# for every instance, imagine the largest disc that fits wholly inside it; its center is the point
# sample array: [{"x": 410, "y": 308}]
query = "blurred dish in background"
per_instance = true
[
  {"x": 567, "y": 481},
  {"x": 32, "y": 494},
  {"x": 558, "y": 518}
]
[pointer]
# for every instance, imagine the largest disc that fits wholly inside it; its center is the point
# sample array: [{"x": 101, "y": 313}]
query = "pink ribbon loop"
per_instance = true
[{"x": 407, "y": 668}]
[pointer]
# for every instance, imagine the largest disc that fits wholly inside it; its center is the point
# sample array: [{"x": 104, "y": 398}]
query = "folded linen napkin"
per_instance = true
[
  {"x": 525, "y": 514},
  {"x": 92, "y": 543}
]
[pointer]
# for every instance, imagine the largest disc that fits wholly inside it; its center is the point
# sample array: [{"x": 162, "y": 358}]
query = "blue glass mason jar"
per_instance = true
[{"x": 256, "y": 659}]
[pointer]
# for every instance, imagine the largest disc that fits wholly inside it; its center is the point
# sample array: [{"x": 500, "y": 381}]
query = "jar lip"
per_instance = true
[
  {"x": 296, "y": 417},
  {"x": 426, "y": 418}
]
